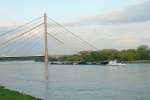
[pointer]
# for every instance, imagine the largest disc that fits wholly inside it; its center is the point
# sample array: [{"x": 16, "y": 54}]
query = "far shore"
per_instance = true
[
  {"x": 78, "y": 62},
  {"x": 95, "y": 62},
  {"x": 138, "y": 61}
]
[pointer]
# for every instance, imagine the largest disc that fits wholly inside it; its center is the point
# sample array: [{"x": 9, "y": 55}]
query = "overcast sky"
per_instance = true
[{"x": 119, "y": 24}]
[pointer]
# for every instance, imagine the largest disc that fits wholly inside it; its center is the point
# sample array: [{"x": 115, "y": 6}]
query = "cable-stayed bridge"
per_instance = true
[{"x": 42, "y": 36}]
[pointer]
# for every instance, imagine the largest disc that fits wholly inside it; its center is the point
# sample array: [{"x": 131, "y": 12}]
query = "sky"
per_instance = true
[
  {"x": 60, "y": 10},
  {"x": 118, "y": 24}
]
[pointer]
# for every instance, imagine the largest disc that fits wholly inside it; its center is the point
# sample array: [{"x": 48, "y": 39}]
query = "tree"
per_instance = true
[{"x": 143, "y": 47}]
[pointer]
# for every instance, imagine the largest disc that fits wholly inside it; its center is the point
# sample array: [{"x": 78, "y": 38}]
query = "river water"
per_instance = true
[{"x": 78, "y": 82}]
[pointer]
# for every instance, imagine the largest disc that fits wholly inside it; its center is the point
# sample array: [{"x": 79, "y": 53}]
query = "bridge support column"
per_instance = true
[{"x": 45, "y": 39}]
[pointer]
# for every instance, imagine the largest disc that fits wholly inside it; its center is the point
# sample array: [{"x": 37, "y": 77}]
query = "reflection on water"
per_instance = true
[
  {"x": 46, "y": 82},
  {"x": 78, "y": 82}
]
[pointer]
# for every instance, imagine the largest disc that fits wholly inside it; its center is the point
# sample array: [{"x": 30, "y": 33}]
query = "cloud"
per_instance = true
[
  {"x": 128, "y": 14},
  {"x": 119, "y": 36},
  {"x": 122, "y": 28}
]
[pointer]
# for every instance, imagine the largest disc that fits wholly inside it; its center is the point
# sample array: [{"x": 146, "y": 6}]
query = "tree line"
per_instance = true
[{"x": 140, "y": 53}]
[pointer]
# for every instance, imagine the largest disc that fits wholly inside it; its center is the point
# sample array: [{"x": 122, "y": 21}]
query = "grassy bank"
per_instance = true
[{"x": 6, "y": 94}]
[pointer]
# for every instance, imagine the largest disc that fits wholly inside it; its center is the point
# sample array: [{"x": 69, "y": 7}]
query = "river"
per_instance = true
[{"x": 78, "y": 82}]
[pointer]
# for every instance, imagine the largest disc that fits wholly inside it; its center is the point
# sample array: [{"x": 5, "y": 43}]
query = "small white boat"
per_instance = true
[{"x": 115, "y": 63}]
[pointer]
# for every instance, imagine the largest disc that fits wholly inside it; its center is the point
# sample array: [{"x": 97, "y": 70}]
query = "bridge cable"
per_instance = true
[
  {"x": 56, "y": 30},
  {"x": 20, "y": 27},
  {"x": 23, "y": 42},
  {"x": 19, "y": 35},
  {"x": 55, "y": 38},
  {"x": 72, "y": 33}
]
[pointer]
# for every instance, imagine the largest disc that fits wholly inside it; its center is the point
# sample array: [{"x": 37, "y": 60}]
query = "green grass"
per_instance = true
[{"x": 6, "y": 94}]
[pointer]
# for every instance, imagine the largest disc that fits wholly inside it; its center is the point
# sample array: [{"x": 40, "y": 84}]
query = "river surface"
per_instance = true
[{"x": 78, "y": 82}]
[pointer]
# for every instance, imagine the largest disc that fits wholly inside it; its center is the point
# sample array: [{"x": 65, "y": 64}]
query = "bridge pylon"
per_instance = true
[{"x": 45, "y": 39}]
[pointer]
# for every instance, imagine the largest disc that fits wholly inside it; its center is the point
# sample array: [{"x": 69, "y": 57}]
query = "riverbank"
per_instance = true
[
  {"x": 6, "y": 94},
  {"x": 138, "y": 61},
  {"x": 95, "y": 63}
]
